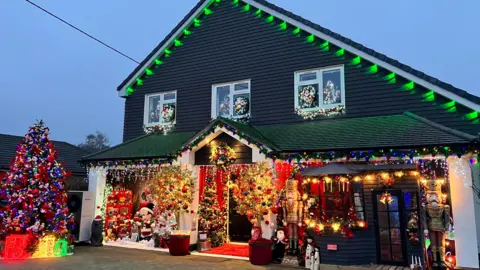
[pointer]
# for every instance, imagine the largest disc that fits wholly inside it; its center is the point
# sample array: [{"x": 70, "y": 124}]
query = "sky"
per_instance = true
[{"x": 49, "y": 71}]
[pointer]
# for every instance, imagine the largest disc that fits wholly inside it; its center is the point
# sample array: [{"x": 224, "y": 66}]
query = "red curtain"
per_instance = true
[
  {"x": 202, "y": 175},
  {"x": 220, "y": 174}
]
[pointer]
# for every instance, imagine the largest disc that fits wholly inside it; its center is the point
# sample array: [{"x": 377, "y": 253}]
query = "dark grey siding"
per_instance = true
[
  {"x": 362, "y": 249},
  {"x": 243, "y": 153},
  {"x": 233, "y": 45}
]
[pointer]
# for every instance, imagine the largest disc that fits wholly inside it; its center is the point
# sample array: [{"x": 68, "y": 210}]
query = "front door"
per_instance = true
[
  {"x": 239, "y": 228},
  {"x": 390, "y": 228}
]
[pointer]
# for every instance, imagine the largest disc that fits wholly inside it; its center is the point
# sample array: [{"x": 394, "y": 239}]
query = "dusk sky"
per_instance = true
[{"x": 52, "y": 72}]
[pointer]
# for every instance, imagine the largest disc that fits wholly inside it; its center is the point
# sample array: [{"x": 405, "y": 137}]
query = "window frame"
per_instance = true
[
  {"x": 215, "y": 113},
  {"x": 146, "y": 108},
  {"x": 319, "y": 81}
]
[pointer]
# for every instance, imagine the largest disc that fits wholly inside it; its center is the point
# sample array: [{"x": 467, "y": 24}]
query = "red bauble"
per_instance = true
[{"x": 184, "y": 189}]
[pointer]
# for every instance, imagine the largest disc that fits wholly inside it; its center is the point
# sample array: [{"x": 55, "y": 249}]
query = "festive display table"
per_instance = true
[
  {"x": 179, "y": 245},
  {"x": 260, "y": 251}
]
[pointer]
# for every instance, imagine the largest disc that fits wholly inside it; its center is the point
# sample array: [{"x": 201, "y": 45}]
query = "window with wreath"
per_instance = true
[
  {"x": 337, "y": 199},
  {"x": 160, "y": 109},
  {"x": 231, "y": 100},
  {"x": 320, "y": 90}
]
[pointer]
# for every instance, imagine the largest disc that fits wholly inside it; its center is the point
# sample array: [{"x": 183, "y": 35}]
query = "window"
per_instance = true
[
  {"x": 231, "y": 100},
  {"x": 160, "y": 109},
  {"x": 336, "y": 199},
  {"x": 320, "y": 88}
]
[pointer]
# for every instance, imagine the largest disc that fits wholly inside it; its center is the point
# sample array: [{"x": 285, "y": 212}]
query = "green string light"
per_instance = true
[
  {"x": 168, "y": 52},
  {"x": 296, "y": 31},
  {"x": 178, "y": 43},
  {"x": 472, "y": 115},
  {"x": 270, "y": 19},
  {"x": 139, "y": 82},
  {"x": 372, "y": 69},
  {"x": 258, "y": 13},
  {"x": 429, "y": 96},
  {"x": 311, "y": 38},
  {"x": 207, "y": 11},
  {"x": 159, "y": 62},
  {"x": 246, "y": 7},
  {"x": 130, "y": 91},
  {"x": 325, "y": 46},
  {"x": 197, "y": 22},
  {"x": 187, "y": 32},
  {"x": 408, "y": 86},
  {"x": 283, "y": 26},
  {"x": 149, "y": 72},
  {"x": 356, "y": 61},
  {"x": 340, "y": 52},
  {"x": 235, "y": 2}
]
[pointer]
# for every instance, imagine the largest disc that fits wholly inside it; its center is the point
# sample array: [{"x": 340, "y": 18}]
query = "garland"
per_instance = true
[
  {"x": 310, "y": 115},
  {"x": 165, "y": 128}
]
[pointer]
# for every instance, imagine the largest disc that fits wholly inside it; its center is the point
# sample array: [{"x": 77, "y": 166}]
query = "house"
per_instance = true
[
  {"x": 278, "y": 88},
  {"x": 68, "y": 153}
]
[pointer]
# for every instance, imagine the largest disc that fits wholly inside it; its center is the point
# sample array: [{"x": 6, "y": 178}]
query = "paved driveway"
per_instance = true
[{"x": 129, "y": 259}]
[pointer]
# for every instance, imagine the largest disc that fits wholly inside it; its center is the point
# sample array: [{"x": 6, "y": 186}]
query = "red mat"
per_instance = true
[{"x": 230, "y": 250}]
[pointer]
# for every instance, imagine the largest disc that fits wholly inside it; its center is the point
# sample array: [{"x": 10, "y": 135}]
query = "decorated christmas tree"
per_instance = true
[
  {"x": 212, "y": 216},
  {"x": 33, "y": 199},
  {"x": 254, "y": 192}
]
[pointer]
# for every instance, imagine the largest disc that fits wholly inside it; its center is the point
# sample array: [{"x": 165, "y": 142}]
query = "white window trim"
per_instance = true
[
  {"x": 214, "y": 112},
  {"x": 162, "y": 102},
  {"x": 319, "y": 81}
]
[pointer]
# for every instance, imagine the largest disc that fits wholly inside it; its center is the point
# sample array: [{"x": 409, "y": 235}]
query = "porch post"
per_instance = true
[
  {"x": 463, "y": 207},
  {"x": 189, "y": 221},
  {"x": 97, "y": 179}
]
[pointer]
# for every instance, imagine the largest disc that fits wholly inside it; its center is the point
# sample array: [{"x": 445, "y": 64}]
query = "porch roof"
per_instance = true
[
  {"x": 400, "y": 131},
  {"x": 154, "y": 145}
]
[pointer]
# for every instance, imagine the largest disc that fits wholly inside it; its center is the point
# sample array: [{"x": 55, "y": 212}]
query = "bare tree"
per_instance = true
[{"x": 95, "y": 142}]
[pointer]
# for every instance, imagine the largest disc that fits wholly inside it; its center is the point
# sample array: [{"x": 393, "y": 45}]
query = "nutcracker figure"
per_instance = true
[
  {"x": 437, "y": 221},
  {"x": 292, "y": 207}
]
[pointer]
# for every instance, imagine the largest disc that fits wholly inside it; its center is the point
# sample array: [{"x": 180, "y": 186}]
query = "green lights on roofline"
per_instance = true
[
  {"x": 429, "y": 96},
  {"x": 168, "y": 51},
  {"x": 340, "y": 52},
  {"x": 311, "y": 38},
  {"x": 372, "y": 69},
  {"x": 270, "y": 19},
  {"x": 258, "y": 13},
  {"x": 246, "y": 7},
  {"x": 471, "y": 116},
  {"x": 356, "y": 61},
  {"x": 408, "y": 86},
  {"x": 283, "y": 26},
  {"x": 296, "y": 31}
]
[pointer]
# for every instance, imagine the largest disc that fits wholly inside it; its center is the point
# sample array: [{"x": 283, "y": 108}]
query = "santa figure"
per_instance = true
[
  {"x": 147, "y": 223},
  {"x": 280, "y": 243}
]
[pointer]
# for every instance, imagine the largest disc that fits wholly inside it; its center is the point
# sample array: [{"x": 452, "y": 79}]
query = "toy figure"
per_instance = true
[
  {"x": 147, "y": 224},
  {"x": 292, "y": 214},
  {"x": 96, "y": 238},
  {"x": 310, "y": 253},
  {"x": 437, "y": 221},
  {"x": 280, "y": 244}
]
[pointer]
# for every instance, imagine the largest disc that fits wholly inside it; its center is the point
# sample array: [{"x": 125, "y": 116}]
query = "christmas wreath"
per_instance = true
[
  {"x": 241, "y": 105},
  {"x": 307, "y": 96},
  {"x": 168, "y": 113},
  {"x": 223, "y": 155}
]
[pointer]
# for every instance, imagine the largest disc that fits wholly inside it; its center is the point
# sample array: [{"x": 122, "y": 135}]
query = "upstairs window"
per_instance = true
[
  {"x": 231, "y": 100},
  {"x": 160, "y": 109},
  {"x": 320, "y": 89}
]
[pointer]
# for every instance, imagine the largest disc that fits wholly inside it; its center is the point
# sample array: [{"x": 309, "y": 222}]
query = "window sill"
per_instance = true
[
  {"x": 165, "y": 128},
  {"x": 312, "y": 113}
]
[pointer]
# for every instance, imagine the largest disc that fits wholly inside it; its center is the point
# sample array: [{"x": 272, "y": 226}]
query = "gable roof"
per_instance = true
[
  {"x": 409, "y": 73},
  {"x": 402, "y": 131},
  {"x": 68, "y": 153}
]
